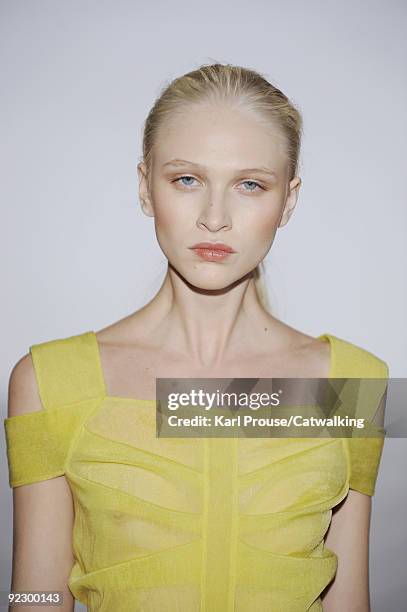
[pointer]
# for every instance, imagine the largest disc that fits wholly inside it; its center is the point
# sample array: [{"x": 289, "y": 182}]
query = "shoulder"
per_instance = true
[
  {"x": 139, "y": 327},
  {"x": 309, "y": 356},
  {"x": 354, "y": 361},
  {"x": 23, "y": 395},
  {"x": 46, "y": 365},
  {"x": 339, "y": 357}
]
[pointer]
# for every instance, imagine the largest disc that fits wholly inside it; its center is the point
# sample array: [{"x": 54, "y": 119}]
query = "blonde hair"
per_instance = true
[{"x": 227, "y": 82}]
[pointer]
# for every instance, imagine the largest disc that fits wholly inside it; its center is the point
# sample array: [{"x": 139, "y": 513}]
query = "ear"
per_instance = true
[
  {"x": 144, "y": 192},
  {"x": 291, "y": 200}
]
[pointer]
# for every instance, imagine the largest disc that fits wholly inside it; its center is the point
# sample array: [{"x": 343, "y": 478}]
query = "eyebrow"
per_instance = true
[{"x": 182, "y": 162}]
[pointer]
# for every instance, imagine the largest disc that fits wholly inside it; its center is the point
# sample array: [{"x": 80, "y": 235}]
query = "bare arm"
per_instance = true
[
  {"x": 348, "y": 537},
  {"x": 43, "y": 512}
]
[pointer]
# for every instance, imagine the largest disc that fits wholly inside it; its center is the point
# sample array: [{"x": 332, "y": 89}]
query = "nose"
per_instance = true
[{"x": 215, "y": 215}]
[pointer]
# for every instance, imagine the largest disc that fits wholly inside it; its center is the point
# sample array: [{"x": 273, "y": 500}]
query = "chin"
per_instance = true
[{"x": 214, "y": 279}]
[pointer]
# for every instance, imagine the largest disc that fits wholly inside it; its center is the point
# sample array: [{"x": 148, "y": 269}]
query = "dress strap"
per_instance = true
[
  {"x": 68, "y": 370},
  {"x": 352, "y": 361}
]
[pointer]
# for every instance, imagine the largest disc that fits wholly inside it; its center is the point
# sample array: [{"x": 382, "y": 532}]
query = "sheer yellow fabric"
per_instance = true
[{"x": 181, "y": 524}]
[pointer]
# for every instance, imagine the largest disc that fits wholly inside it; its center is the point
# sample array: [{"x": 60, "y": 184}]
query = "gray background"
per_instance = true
[{"x": 78, "y": 78}]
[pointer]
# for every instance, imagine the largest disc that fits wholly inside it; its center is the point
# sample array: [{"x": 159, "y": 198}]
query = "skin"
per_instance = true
[
  {"x": 214, "y": 315},
  {"x": 205, "y": 321}
]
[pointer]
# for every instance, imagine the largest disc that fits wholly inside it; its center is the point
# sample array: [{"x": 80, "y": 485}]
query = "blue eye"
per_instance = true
[
  {"x": 252, "y": 183},
  {"x": 188, "y": 178},
  {"x": 188, "y": 181}
]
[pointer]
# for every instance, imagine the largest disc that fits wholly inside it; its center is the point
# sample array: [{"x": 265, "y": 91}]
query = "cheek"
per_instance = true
[
  {"x": 260, "y": 225},
  {"x": 173, "y": 221},
  {"x": 166, "y": 213},
  {"x": 173, "y": 226}
]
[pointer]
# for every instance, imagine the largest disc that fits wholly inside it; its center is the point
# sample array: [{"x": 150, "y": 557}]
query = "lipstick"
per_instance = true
[{"x": 212, "y": 251}]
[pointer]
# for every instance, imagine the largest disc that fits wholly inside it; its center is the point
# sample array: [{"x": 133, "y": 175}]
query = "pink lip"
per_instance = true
[
  {"x": 212, "y": 251},
  {"x": 213, "y": 246}
]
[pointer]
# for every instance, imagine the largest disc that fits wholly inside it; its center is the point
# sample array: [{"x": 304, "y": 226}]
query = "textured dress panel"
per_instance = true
[{"x": 186, "y": 524}]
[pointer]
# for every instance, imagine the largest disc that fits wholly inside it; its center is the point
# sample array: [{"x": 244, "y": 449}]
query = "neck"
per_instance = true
[{"x": 206, "y": 326}]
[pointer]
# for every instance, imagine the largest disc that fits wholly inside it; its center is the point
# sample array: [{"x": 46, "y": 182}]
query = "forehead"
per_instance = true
[{"x": 218, "y": 133}]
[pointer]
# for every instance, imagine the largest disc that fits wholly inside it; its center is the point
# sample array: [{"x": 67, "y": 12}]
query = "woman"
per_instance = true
[{"x": 122, "y": 520}]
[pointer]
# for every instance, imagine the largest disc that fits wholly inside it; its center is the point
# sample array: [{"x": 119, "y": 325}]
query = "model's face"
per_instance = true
[{"x": 218, "y": 175}]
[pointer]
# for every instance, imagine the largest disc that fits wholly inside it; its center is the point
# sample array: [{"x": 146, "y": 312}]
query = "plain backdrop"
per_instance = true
[{"x": 78, "y": 78}]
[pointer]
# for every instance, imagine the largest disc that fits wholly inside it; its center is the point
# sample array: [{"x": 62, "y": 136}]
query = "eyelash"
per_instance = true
[{"x": 248, "y": 181}]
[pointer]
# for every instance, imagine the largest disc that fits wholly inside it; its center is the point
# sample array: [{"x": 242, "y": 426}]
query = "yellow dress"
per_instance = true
[{"x": 186, "y": 524}]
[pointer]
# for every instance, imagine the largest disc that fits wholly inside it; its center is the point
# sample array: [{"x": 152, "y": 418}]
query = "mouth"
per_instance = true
[
  {"x": 213, "y": 246},
  {"x": 212, "y": 251}
]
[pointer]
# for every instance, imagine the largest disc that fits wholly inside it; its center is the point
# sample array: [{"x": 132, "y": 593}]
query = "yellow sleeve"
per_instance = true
[
  {"x": 364, "y": 453},
  {"x": 37, "y": 443},
  {"x": 365, "y": 456},
  {"x": 70, "y": 384}
]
